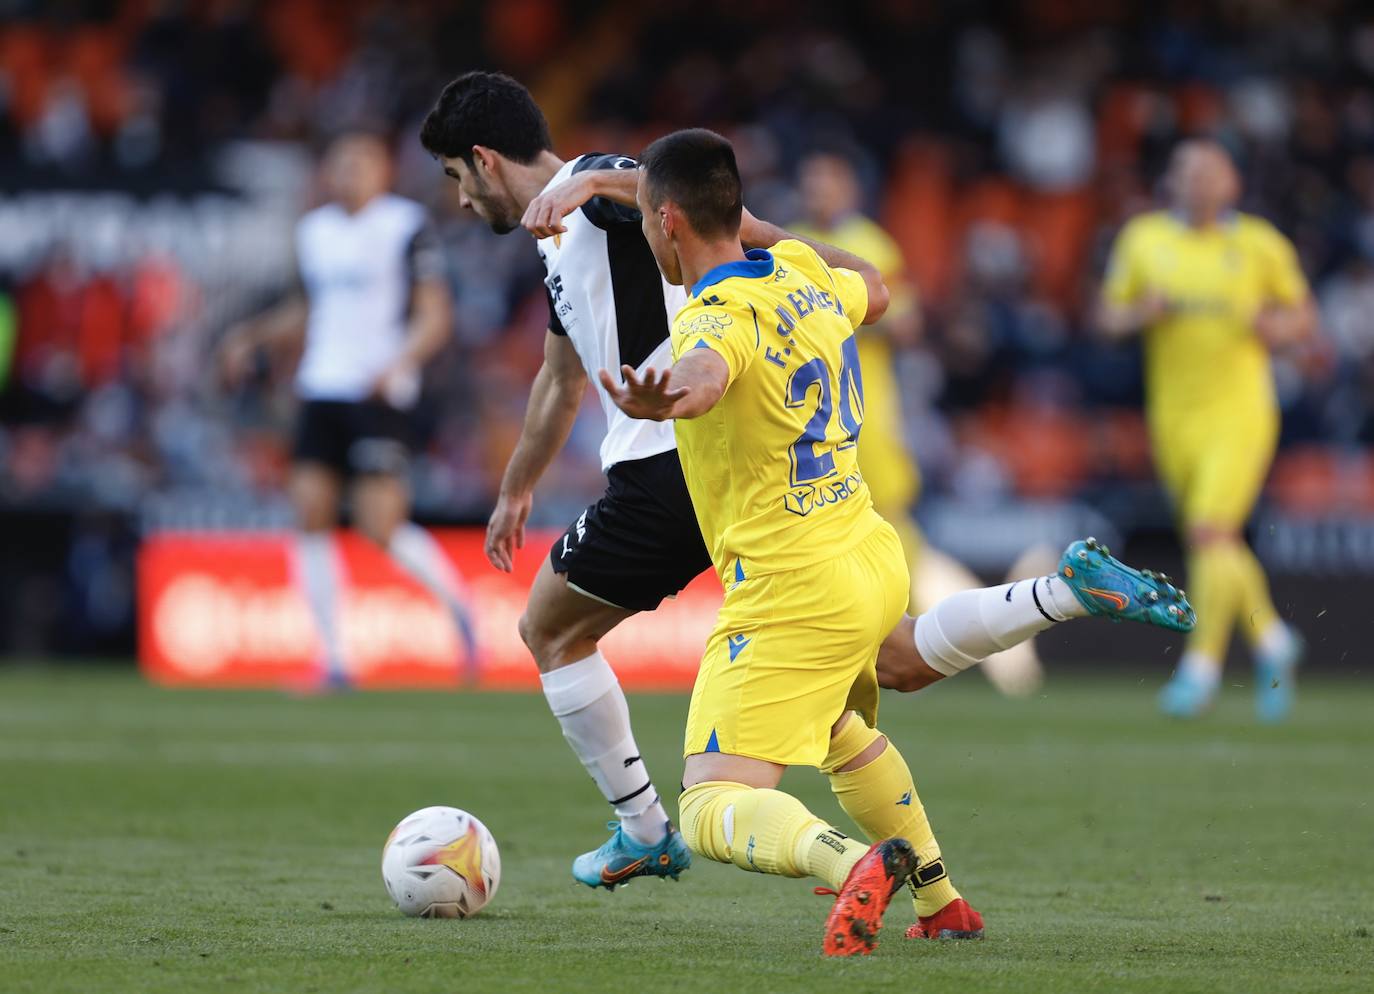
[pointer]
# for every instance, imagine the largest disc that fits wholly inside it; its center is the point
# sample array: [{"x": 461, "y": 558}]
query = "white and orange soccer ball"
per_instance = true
[{"x": 441, "y": 863}]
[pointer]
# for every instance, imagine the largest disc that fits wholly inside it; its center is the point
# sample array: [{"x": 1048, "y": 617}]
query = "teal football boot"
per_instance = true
[
  {"x": 1275, "y": 678},
  {"x": 1187, "y": 695},
  {"x": 1109, "y": 588},
  {"x": 621, "y": 858}
]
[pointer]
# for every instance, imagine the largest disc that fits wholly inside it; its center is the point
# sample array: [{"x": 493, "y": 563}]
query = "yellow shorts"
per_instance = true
[
  {"x": 1214, "y": 469},
  {"x": 793, "y": 651},
  {"x": 884, "y": 460}
]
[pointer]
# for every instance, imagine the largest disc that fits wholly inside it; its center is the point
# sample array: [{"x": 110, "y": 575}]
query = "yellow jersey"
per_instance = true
[
  {"x": 887, "y": 464},
  {"x": 773, "y": 467},
  {"x": 862, "y": 237},
  {"x": 1204, "y": 356}
]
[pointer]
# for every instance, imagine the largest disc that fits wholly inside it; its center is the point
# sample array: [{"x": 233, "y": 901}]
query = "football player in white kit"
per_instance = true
[
  {"x": 639, "y": 543},
  {"x": 373, "y": 306},
  {"x": 609, "y": 310}
]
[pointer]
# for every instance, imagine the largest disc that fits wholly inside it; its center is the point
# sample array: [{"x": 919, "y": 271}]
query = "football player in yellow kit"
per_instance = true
[
  {"x": 831, "y": 200},
  {"x": 1213, "y": 291},
  {"x": 767, "y": 398}
]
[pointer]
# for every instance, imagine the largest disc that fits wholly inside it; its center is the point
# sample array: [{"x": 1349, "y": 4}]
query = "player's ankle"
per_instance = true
[
  {"x": 1274, "y": 639},
  {"x": 1060, "y": 602},
  {"x": 930, "y": 898},
  {"x": 648, "y": 827},
  {"x": 1200, "y": 668}
]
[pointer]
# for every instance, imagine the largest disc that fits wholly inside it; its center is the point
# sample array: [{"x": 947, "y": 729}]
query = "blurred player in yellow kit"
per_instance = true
[
  {"x": 767, "y": 398},
  {"x": 831, "y": 199},
  {"x": 1213, "y": 291}
]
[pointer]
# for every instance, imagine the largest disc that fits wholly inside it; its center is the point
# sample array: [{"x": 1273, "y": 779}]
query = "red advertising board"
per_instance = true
[{"x": 223, "y": 610}]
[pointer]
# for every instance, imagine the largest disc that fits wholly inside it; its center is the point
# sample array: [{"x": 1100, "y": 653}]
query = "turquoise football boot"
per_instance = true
[
  {"x": 621, "y": 858},
  {"x": 1109, "y": 588},
  {"x": 1187, "y": 695},
  {"x": 1275, "y": 679}
]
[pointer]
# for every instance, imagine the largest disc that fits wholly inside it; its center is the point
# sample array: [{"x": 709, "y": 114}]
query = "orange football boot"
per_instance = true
[
  {"x": 956, "y": 920},
  {"x": 854, "y": 922}
]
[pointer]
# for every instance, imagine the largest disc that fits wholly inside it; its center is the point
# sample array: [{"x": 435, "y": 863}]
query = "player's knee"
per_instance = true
[
  {"x": 551, "y": 648},
  {"x": 316, "y": 511},
  {"x": 531, "y": 634},
  {"x": 852, "y": 744},
  {"x": 717, "y": 814},
  {"x": 379, "y": 533},
  {"x": 1200, "y": 536},
  {"x": 899, "y": 664},
  {"x": 314, "y": 516},
  {"x": 696, "y": 809}
]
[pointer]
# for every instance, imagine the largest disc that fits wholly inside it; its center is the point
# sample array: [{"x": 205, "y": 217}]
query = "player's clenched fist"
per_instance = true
[{"x": 543, "y": 218}]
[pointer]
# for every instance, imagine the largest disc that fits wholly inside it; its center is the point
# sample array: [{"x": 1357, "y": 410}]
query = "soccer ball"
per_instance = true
[{"x": 441, "y": 863}]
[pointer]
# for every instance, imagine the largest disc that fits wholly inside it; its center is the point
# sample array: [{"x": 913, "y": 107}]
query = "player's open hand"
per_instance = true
[
  {"x": 649, "y": 399},
  {"x": 544, "y": 216},
  {"x": 236, "y": 355},
  {"x": 506, "y": 529},
  {"x": 1154, "y": 307}
]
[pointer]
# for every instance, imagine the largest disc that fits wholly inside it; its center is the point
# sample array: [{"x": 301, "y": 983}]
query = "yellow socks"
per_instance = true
[
  {"x": 1227, "y": 586},
  {"x": 765, "y": 831},
  {"x": 881, "y": 798},
  {"x": 1256, "y": 607},
  {"x": 1214, "y": 587}
]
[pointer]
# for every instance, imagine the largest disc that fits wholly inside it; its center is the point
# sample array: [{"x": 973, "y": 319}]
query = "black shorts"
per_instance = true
[
  {"x": 640, "y": 542},
  {"x": 353, "y": 437}
]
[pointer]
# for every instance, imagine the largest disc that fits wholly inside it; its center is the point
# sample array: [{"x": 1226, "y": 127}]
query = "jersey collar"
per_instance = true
[
  {"x": 756, "y": 264},
  {"x": 1228, "y": 218}
]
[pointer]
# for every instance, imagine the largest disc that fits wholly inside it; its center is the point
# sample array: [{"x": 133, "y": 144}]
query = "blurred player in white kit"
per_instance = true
[{"x": 372, "y": 306}]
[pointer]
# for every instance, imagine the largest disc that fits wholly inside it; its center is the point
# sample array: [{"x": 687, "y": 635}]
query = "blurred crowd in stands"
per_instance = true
[{"x": 155, "y": 153}]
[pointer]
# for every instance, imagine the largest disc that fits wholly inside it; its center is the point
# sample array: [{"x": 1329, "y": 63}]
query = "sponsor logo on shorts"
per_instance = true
[{"x": 579, "y": 526}]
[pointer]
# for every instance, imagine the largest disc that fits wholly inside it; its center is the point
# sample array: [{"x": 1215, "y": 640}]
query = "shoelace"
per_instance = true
[{"x": 825, "y": 892}]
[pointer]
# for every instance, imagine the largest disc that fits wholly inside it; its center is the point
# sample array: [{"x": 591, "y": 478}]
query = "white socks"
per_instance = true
[
  {"x": 317, "y": 570},
  {"x": 1201, "y": 669},
  {"x": 415, "y": 551},
  {"x": 1276, "y": 640},
  {"x": 586, "y": 698},
  {"x": 965, "y": 628}
]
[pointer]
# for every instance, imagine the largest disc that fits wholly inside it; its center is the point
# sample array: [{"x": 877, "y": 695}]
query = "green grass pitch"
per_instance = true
[{"x": 153, "y": 841}]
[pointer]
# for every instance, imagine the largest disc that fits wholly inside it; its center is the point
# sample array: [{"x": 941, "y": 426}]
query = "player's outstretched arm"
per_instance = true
[
  {"x": 1282, "y": 326},
  {"x": 544, "y": 216},
  {"x": 431, "y": 323},
  {"x": 1116, "y": 321},
  {"x": 273, "y": 330},
  {"x": 688, "y": 390},
  {"x": 554, "y": 402},
  {"x": 757, "y": 233}
]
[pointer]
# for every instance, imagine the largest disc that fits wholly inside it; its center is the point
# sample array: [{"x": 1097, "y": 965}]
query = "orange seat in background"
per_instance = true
[
  {"x": 1047, "y": 451},
  {"x": 1059, "y": 227},
  {"x": 1306, "y": 479},
  {"x": 916, "y": 212},
  {"x": 26, "y": 58}
]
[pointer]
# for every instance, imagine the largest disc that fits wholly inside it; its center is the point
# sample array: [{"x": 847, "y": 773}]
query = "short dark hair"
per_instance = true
[
  {"x": 488, "y": 109},
  {"x": 696, "y": 170}
]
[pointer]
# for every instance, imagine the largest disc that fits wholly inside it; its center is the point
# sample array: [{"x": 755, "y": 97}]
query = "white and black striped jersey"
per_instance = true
[
  {"x": 607, "y": 295},
  {"x": 358, "y": 272}
]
